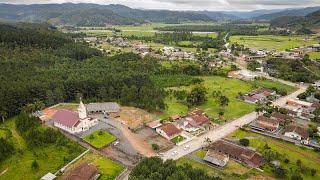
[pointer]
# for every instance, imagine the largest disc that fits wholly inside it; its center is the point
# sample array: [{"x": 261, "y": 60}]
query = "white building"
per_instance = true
[
  {"x": 216, "y": 158},
  {"x": 298, "y": 133},
  {"x": 73, "y": 122}
]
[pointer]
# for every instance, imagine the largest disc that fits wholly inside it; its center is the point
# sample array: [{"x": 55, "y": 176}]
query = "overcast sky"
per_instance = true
[{"x": 215, "y": 5}]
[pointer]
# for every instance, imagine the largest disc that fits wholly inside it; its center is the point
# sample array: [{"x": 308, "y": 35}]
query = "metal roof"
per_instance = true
[{"x": 103, "y": 107}]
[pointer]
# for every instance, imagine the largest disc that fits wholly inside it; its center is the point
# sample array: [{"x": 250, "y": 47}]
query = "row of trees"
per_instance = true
[{"x": 155, "y": 168}]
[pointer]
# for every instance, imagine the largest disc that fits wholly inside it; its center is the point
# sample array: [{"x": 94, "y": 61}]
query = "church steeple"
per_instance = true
[{"x": 82, "y": 110}]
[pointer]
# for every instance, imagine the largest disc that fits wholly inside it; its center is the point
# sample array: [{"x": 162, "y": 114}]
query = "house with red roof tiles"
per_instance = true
[{"x": 169, "y": 131}]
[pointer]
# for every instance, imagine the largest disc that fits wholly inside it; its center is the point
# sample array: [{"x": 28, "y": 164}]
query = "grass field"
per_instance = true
[
  {"x": 269, "y": 42},
  {"x": 113, "y": 48},
  {"x": 230, "y": 88},
  {"x": 272, "y": 84},
  {"x": 152, "y": 26},
  {"x": 100, "y": 139},
  {"x": 233, "y": 170},
  {"x": 108, "y": 169},
  {"x": 308, "y": 157},
  {"x": 314, "y": 55},
  {"x": 49, "y": 158}
]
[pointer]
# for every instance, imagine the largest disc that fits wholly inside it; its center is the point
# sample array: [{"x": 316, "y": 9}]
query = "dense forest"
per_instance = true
[
  {"x": 38, "y": 63},
  {"x": 293, "y": 70}
]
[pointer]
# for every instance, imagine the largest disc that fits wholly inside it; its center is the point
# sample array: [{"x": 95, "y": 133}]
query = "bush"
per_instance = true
[
  {"x": 286, "y": 161},
  {"x": 91, "y": 137},
  {"x": 100, "y": 133},
  {"x": 244, "y": 142},
  {"x": 6, "y": 149},
  {"x": 34, "y": 165},
  {"x": 197, "y": 96},
  {"x": 280, "y": 172},
  {"x": 313, "y": 172},
  {"x": 296, "y": 176},
  {"x": 155, "y": 147}
]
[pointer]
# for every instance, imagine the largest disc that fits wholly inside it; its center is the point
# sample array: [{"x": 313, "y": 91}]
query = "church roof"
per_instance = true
[
  {"x": 66, "y": 117},
  {"x": 106, "y": 107}
]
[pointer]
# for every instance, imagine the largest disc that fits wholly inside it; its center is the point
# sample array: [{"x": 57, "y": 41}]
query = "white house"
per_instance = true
[
  {"x": 73, "y": 122},
  {"x": 216, "y": 158},
  {"x": 297, "y": 133}
]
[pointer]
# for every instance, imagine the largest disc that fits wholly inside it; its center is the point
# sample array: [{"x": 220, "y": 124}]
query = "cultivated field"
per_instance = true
[{"x": 269, "y": 42}]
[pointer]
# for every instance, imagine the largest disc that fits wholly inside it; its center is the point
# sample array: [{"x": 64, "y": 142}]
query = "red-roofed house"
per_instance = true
[{"x": 169, "y": 131}]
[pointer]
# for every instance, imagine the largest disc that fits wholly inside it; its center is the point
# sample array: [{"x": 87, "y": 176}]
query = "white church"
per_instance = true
[{"x": 74, "y": 122}]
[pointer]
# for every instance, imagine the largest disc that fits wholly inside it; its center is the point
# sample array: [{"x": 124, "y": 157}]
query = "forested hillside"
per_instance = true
[
  {"x": 288, "y": 12},
  {"x": 311, "y": 21},
  {"x": 38, "y": 63},
  {"x": 93, "y": 14}
]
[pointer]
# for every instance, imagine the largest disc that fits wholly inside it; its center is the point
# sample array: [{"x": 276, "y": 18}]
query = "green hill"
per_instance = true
[
  {"x": 309, "y": 22},
  {"x": 93, "y": 14}
]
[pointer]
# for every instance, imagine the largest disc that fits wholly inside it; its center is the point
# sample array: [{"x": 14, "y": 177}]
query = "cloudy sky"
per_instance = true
[{"x": 215, "y": 5}]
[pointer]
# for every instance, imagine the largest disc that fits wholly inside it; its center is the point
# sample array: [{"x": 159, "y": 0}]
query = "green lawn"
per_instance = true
[
  {"x": 314, "y": 55},
  {"x": 230, "y": 88},
  {"x": 178, "y": 139},
  {"x": 108, "y": 169},
  {"x": 273, "y": 84},
  {"x": 270, "y": 42},
  {"x": 308, "y": 157},
  {"x": 50, "y": 158},
  {"x": 233, "y": 170},
  {"x": 100, "y": 139},
  {"x": 200, "y": 153}
]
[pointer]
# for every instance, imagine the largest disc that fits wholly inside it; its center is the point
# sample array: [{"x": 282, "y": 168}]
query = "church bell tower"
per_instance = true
[{"x": 82, "y": 110}]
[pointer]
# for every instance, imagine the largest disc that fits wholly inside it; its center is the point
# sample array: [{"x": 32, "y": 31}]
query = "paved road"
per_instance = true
[{"x": 222, "y": 131}]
